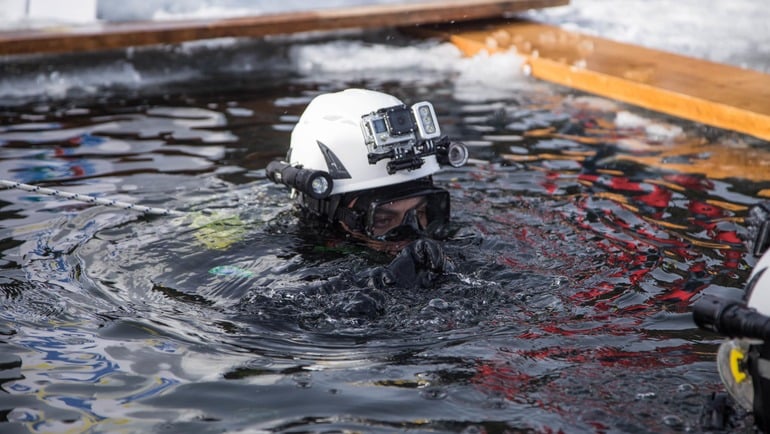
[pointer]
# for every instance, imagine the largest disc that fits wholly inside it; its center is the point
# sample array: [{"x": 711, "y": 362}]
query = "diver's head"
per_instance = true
[{"x": 363, "y": 160}]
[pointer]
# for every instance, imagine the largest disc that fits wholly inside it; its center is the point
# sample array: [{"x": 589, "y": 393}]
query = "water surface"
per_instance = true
[{"x": 585, "y": 229}]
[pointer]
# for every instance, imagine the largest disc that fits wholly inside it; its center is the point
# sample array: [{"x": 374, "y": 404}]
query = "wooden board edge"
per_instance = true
[
  {"x": 653, "y": 98},
  {"x": 679, "y": 104},
  {"x": 112, "y": 36}
]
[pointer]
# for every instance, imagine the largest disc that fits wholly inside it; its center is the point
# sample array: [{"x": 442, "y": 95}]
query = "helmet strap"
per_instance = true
[
  {"x": 350, "y": 217},
  {"x": 323, "y": 208},
  {"x": 332, "y": 211}
]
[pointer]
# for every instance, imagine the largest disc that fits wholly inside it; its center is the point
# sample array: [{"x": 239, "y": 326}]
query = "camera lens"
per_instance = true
[{"x": 400, "y": 120}]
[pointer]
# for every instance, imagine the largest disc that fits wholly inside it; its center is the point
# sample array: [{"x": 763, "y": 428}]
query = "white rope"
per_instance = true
[{"x": 88, "y": 199}]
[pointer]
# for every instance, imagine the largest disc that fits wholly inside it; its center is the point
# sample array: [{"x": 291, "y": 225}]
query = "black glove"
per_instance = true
[{"x": 417, "y": 266}]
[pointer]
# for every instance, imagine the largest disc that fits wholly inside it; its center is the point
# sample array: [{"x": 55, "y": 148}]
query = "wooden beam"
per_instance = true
[
  {"x": 714, "y": 94},
  {"x": 119, "y": 35}
]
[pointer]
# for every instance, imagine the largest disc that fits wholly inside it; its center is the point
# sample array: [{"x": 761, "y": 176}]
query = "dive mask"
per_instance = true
[{"x": 394, "y": 214}]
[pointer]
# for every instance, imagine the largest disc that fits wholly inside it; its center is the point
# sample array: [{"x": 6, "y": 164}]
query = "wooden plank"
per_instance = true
[
  {"x": 711, "y": 93},
  {"x": 119, "y": 35}
]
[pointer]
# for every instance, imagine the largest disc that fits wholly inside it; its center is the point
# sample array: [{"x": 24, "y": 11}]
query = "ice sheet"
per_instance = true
[{"x": 734, "y": 32}]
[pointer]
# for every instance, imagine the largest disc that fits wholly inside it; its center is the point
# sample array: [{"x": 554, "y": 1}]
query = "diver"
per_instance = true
[
  {"x": 361, "y": 161},
  {"x": 743, "y": 361}
]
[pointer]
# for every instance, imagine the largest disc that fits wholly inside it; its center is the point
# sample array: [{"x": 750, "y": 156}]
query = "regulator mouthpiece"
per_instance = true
[
  {"x": 314, "y": 183},
  {"x": 454, "y": 154}
]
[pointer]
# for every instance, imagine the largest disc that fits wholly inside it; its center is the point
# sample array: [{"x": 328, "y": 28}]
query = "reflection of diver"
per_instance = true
[
  {"x": 361, "y": 161},
  {"x": 744, "y": 360}
]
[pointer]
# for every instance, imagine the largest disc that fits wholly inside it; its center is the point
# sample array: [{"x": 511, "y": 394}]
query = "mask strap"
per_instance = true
[{"x": 350, "y": 217}]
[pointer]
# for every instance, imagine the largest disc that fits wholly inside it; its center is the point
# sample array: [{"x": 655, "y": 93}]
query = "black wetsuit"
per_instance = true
[{"x": 361, "y": 294}]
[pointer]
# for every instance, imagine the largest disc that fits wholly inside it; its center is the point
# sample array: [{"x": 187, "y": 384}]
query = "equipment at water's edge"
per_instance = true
[{"x": 744, "y": 360}]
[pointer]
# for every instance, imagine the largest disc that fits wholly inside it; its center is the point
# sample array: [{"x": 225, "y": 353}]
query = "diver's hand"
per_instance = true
[
  {"x": 427, "y": 254},
  {"x": 417, "y": 265}
]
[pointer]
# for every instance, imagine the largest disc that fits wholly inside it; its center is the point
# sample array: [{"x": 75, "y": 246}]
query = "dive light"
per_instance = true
[
  {"x": 315, "y": 183},
  {"x": 731, "y": 318}
]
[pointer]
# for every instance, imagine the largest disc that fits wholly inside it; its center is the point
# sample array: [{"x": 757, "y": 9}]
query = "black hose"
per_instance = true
[{"x": 731, "y": 318}]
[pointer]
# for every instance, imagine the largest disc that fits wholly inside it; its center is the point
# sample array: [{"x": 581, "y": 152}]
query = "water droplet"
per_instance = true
[
  {"x": 495, "y": 404},
  {"x": 673, "y": 421},
  {"x": 438, "y": 303},
  {"x": 434, "y": 394},
  {"x": 645, "y": 395},
  {"x": 559, "y": 281},
  {"x": 302, "y": 380},
  {"x": 260, "y": 363},
  {"x": 229, "y": 270}
]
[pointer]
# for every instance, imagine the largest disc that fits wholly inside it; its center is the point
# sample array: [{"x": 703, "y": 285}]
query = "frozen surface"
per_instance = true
[
  {"x": 37, "y": 13},
  {"x": 733, "y": 32},
  {"x": 148, "y": 71},
  {"x": 730, "y": 32},
  {"x": 119, "y": 10}
]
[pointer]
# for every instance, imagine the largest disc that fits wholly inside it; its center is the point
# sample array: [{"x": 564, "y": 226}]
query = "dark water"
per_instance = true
[{"x": 584, "y": 235}]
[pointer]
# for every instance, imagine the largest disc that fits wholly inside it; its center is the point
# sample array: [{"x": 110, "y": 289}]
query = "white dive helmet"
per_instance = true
[{"x": 328, "y": 137}]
